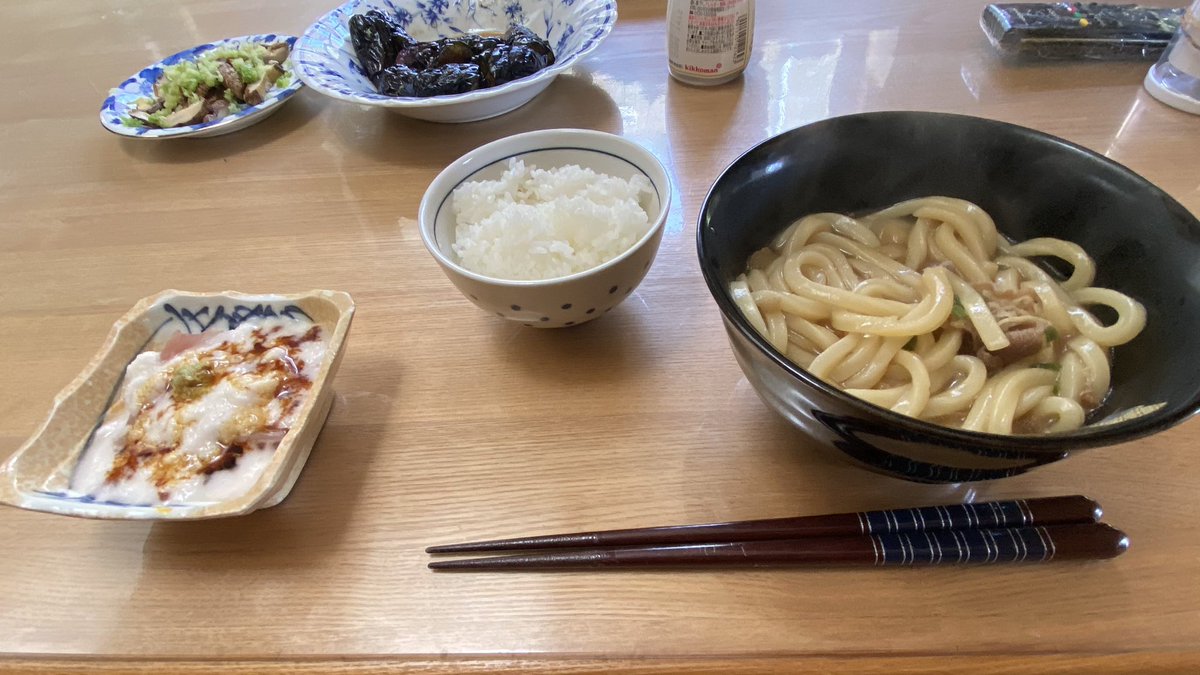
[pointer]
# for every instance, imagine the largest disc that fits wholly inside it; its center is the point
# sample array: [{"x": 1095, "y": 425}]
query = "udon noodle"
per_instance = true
[{"x": 924, "y": 309}]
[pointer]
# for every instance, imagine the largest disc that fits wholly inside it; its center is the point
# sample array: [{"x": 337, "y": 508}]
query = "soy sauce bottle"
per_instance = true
[{"x": 709, "y": 41}]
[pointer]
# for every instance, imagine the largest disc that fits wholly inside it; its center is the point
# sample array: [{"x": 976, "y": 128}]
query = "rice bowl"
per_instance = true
[{"x": 562, "y": 300}]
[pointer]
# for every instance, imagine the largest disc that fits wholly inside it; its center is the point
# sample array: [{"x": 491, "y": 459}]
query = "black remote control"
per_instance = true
[{"x": 1074, "y": 30}]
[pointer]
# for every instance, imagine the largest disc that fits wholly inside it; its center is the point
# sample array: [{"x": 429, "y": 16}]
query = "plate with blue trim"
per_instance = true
[{"x": 123, "y": 99}]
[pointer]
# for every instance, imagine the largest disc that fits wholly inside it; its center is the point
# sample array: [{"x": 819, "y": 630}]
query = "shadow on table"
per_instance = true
[
  {"x": 831, "y": 482},
  {"x": 570, "y": 101},
  {"x": 292, "y": 116},
  {"x": 991, "y": 78},
  {"x": 607, "y": 349}
]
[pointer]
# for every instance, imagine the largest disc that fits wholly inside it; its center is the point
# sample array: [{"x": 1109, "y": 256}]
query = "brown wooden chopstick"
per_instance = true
[
  {"x": 1018, "y": 544},
  {"x": 983, "y": 515}
]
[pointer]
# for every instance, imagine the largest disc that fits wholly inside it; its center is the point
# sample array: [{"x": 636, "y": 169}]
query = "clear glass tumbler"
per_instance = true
[{"x": 1175, "y": 79}]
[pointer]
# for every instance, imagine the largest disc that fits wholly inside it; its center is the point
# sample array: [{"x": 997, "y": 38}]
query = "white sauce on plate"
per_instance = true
[{"x": 199, "y": 421}]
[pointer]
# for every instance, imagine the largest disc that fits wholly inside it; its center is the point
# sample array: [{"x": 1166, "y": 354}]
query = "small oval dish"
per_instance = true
[
  {"x": 114, "y": 113},
  {"x": 326, "y": 62},
  {"x": 44, "y": 473}
]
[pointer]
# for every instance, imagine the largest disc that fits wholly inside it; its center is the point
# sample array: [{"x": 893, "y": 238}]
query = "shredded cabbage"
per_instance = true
[{"x": 180, "y": 82}]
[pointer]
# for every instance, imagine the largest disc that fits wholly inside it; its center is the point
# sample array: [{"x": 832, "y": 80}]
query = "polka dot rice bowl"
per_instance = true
[{"x": 561, "y": 301}]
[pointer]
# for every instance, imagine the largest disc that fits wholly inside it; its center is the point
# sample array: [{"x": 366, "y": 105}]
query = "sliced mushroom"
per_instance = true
[
  {"x": 257, "y": 92},
  {"x": 147, "y": 106},
  {"x": 231, "y": 79},
  {"x": 185, "y": 115},
  {"x": 277, "y": 52},
  {"x": 273, "y": 72},
  {"x": 218, "y": 108},
  {"x": 140, "y": 115}
]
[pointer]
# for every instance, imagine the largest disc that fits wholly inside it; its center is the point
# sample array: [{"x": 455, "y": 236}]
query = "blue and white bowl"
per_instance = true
[
  {"x": 326, "y": 62},
  {"x": 123, "y": 98}
]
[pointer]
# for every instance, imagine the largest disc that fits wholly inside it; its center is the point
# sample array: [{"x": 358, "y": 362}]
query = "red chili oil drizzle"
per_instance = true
[
  {"x": 226, "y": 460},
  {"x": 292, "y": 384}
]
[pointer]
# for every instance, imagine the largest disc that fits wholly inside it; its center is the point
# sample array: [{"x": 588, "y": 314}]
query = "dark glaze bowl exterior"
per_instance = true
[{"x": 1145, "y": 244}]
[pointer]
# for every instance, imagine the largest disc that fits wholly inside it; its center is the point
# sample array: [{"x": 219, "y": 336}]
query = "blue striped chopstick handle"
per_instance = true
[
  {"x": 1021, "y": 544},
  {"x": 1012, "y": 513}
]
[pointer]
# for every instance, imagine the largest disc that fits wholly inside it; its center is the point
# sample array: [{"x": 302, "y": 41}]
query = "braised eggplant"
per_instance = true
[
  {"x": 453, "y": 51},
  {"x": 418, "y": 55},
  {"x": 452, "y": 78},
  {"x": 520, "y": 36},
  {"x": 398, "y": 81},
  {"x": 506, "y": 63},
  {"x": 398, "y": 65},
  {"x": 377, "y": 38}
]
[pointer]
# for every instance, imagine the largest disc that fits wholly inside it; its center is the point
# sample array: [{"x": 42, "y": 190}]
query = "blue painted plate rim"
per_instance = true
[{"x": 277, "y": 95}]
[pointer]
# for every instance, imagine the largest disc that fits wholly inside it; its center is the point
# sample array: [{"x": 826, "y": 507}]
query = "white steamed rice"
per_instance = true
[{"x": 544, "y": 223}]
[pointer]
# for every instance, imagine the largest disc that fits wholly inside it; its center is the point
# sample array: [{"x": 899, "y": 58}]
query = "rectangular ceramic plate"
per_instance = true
[{"x": 37, "y": 475}]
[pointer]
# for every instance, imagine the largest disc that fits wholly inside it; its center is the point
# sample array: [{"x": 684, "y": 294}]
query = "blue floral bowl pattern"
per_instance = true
[
  {"x": 326, "y": 62},
  {"x": 120, "y": 100}
]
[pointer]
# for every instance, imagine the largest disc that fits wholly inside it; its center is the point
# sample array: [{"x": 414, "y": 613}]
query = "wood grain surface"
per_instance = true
[{"x": 450, "y": 424}]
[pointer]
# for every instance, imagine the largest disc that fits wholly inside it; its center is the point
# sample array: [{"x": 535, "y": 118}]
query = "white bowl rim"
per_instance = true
[
  {"x": 523, "y": 144},
  {"x": 376, "y": 99}
]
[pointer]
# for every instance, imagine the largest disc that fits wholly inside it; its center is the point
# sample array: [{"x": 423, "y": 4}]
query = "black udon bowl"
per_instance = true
[{"x": 1144, "y": 243}]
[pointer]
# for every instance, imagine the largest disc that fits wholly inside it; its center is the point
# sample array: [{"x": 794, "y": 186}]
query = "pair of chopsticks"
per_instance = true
[{"x": 1020, "y": 530}]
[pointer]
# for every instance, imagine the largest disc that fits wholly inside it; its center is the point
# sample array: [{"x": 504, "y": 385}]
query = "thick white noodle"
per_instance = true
[
  {"x": 979, "y": 315},
  {"x": 1131, "y": 316},
  {"x": 739, "y": 290},
  {"x": 961, "y": 393},
  {"x": 868, "y": 305},
  {"x": 926, "y": 316},
  {"x": 1084, "y": 270}
]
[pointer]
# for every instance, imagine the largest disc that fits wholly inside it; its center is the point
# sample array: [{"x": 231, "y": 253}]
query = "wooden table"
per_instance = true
[{"x": 451, "y": 424}]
